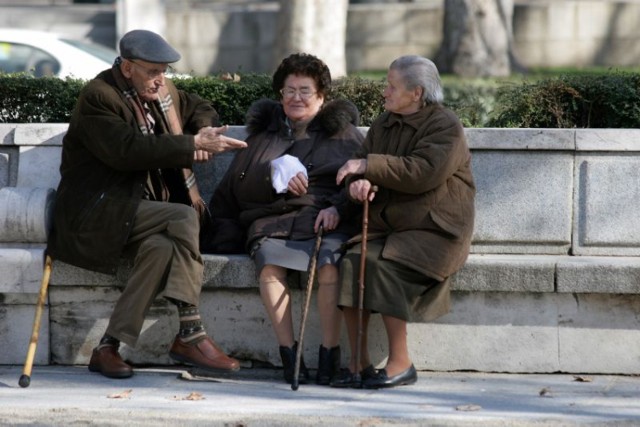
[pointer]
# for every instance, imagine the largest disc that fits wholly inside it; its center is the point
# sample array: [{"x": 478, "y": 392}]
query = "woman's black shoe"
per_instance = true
[
  {"x": 288, "y": 356},
  {"x": 328, "y": 364},
  {"x": 381, "y": 380},
  {"x": 347, "y": 379}
]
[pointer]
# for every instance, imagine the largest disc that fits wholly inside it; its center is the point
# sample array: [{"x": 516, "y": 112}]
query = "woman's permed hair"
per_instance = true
[
  {"x": 419, "y": 71},
  {"x": 303, "y": 64}
]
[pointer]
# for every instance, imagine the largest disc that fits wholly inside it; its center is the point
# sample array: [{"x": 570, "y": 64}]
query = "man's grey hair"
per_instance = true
[{"x": 419, "y": 71}]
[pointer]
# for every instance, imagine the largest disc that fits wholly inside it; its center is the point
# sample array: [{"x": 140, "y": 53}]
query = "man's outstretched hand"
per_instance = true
[{"x": 213, "y": 141}]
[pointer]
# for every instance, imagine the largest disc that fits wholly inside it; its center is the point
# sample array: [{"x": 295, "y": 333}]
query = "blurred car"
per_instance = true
[{"x": 47, "y": 54}]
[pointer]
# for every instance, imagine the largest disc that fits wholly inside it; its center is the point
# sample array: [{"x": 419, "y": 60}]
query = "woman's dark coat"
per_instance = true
[
  {"x": 425, "y": 202},
  {"x": 105, "y": 159},
  {"x": 246, "y": 195}
]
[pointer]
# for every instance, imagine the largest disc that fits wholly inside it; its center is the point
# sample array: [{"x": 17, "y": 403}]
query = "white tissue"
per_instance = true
[{"x": 283, "y": 169}]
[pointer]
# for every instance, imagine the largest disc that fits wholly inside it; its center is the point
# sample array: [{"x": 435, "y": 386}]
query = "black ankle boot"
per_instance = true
[
  {"x": 328, "y": 364},
  {"x": 288, "y": 356}
]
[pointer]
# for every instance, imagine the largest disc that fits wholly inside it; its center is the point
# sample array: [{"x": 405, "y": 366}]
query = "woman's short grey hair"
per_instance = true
[{"x": 419, "y": 71}]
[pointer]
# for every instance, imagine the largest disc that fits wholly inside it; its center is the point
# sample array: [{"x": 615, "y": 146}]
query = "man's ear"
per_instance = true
[{"x": 126, "y": 68}]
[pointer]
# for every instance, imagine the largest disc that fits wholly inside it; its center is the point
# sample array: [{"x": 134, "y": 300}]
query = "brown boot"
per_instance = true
[
  {"x": 107, "y": 361},
  {"x": 204, "y": 354}
]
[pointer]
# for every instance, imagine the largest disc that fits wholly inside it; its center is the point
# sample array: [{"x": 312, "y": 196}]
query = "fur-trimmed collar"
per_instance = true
[{"x": 333, "y": 117}]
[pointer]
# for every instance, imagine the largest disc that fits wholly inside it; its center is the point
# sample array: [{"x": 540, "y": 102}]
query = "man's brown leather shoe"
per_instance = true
[
  {"x": 203, "y": 354},
  {"x": 107, "y": 361}
]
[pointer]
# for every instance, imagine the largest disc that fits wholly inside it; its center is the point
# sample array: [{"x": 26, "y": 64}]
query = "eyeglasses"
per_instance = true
[
  {"x": 153, "y": 73},
  {"x": 290, "y": 93}
]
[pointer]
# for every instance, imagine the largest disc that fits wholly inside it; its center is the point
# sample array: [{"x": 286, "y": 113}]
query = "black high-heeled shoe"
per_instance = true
[
  {"x": 347, "y": 379},
  {"x": 382, "y": 380}
]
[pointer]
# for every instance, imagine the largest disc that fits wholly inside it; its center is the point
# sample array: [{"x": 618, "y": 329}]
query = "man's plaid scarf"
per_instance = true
[{"x": 169, "y": 123}]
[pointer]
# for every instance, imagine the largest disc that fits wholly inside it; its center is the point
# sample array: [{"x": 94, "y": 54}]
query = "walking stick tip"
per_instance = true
[
  {"x": 294, "y": 386},
  {"x": 25, "y": 380}
]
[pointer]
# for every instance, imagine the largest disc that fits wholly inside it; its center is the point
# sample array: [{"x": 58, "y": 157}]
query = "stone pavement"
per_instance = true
[{"x": 71, "y": 395}]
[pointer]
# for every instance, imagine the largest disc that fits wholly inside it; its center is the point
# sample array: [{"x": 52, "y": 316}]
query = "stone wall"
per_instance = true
[
  {"x": 569, "y": 33},
  {"x": 552, "y": 284}
]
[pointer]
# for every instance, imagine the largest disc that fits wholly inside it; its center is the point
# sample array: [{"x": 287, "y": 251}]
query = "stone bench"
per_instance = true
[{"x": 552, "y": 283}]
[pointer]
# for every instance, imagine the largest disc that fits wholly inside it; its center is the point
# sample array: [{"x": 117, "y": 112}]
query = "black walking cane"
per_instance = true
[
  {"x": 363, "y": 260},
  {"x": 25, "y": 378},
  {"x": 305, "y": 311}
]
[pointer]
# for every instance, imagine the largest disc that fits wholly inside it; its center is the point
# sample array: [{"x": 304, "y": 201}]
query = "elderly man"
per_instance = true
[{"x": 127, "y": 154}]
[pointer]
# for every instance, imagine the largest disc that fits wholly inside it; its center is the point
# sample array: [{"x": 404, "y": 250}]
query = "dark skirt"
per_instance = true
[
  {"x": 390, "y": 288},
  {"x": 296, "y": 254}
]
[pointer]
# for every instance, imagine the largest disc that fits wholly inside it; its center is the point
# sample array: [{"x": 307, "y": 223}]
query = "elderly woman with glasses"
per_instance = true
[{"x": 282, "y": 189}]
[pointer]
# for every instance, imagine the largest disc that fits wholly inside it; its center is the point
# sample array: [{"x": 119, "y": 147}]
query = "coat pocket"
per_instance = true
[{"x": 448, "y": 226}]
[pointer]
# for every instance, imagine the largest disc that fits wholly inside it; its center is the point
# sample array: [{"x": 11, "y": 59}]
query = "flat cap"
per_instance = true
[{"x": 147, "y": 46}]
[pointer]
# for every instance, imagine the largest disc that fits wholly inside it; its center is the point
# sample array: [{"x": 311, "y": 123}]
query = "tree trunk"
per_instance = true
[
  {"x": 477, "y": 39},
  {"x": 318, "y": 27}
]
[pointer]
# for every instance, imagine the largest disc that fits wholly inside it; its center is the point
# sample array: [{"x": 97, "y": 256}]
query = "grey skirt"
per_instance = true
[
  {"x": 296, "y": 254},
  {"x": 390, "y": 288}
]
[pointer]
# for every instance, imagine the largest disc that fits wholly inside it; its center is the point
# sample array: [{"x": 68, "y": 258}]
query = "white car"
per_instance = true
[{"x": 47, "y": 54}]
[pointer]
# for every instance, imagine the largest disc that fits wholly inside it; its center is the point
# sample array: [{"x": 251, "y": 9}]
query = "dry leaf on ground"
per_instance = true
[
  {"x": 122, "y": 395},
  {"x": 468, "y": 408},
  {"x": 545, "y": 392},
  {"x": 191, "y": 396}
]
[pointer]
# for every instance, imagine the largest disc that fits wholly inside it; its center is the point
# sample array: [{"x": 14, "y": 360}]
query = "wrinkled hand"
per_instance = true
[
  {"x": 201, "y": 156},
  {"x": 329, "y": 218},
  {"x": 298, "y": 184},
  {"x": 213, "y": 141},
  {"x": 351, "y": 167},
  {"x": 361, "y": 189}
]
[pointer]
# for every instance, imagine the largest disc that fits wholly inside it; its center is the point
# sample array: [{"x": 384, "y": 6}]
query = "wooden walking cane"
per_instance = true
[
  {"x": 305, "y": 310},
  {"x": 363, "y": 260},
  {"x": 25, "y": 378}
]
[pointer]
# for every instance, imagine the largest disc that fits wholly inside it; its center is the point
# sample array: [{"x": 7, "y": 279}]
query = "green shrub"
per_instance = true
[
  {"x": 572, "y": 101},
  {"x": 50, "y": 100},
  {"x": 364, "y": 93},
  {"x": 37, "y": 100},
  {"x": 472, "y": 101},
  {"x": 609, "y": 100},
  {"x": 231, "y": 99}
]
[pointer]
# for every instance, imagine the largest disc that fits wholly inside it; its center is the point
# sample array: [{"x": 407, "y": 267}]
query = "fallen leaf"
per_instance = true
[
  {"x": 123, "y": 395},
  {"x": 468, "y": 408},
  {"x": 582, "y": 379},
  {"x": 191, "y": 396},
  {"x": 545, "y": 392}
]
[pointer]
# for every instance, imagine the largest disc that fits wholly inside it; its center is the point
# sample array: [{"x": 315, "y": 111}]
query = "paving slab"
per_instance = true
[{"x": 159, "y": 396}]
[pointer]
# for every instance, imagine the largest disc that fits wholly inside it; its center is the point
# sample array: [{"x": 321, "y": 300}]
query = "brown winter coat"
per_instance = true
[
  {"x": 105, "y": 159},
  {"x": 425, "y": 202},
  {"x": 246, "y": 194}
]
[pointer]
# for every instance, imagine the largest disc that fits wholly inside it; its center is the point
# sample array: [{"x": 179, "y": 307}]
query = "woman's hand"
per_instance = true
[
  {"x": 329, "y": 218},
  {"x": 361, "y": 189},
  {"x": 351, "y": 167},
  {"x": 298, "y": 185}
]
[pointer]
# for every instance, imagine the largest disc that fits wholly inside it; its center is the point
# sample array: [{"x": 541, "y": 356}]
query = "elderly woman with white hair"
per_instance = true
[{"x": 420, "y": 218}]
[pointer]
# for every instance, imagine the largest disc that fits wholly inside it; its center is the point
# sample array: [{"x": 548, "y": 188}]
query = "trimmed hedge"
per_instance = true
[
  {"x": 51, "y": 100},
  {"x": 609, "y": 100}
]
